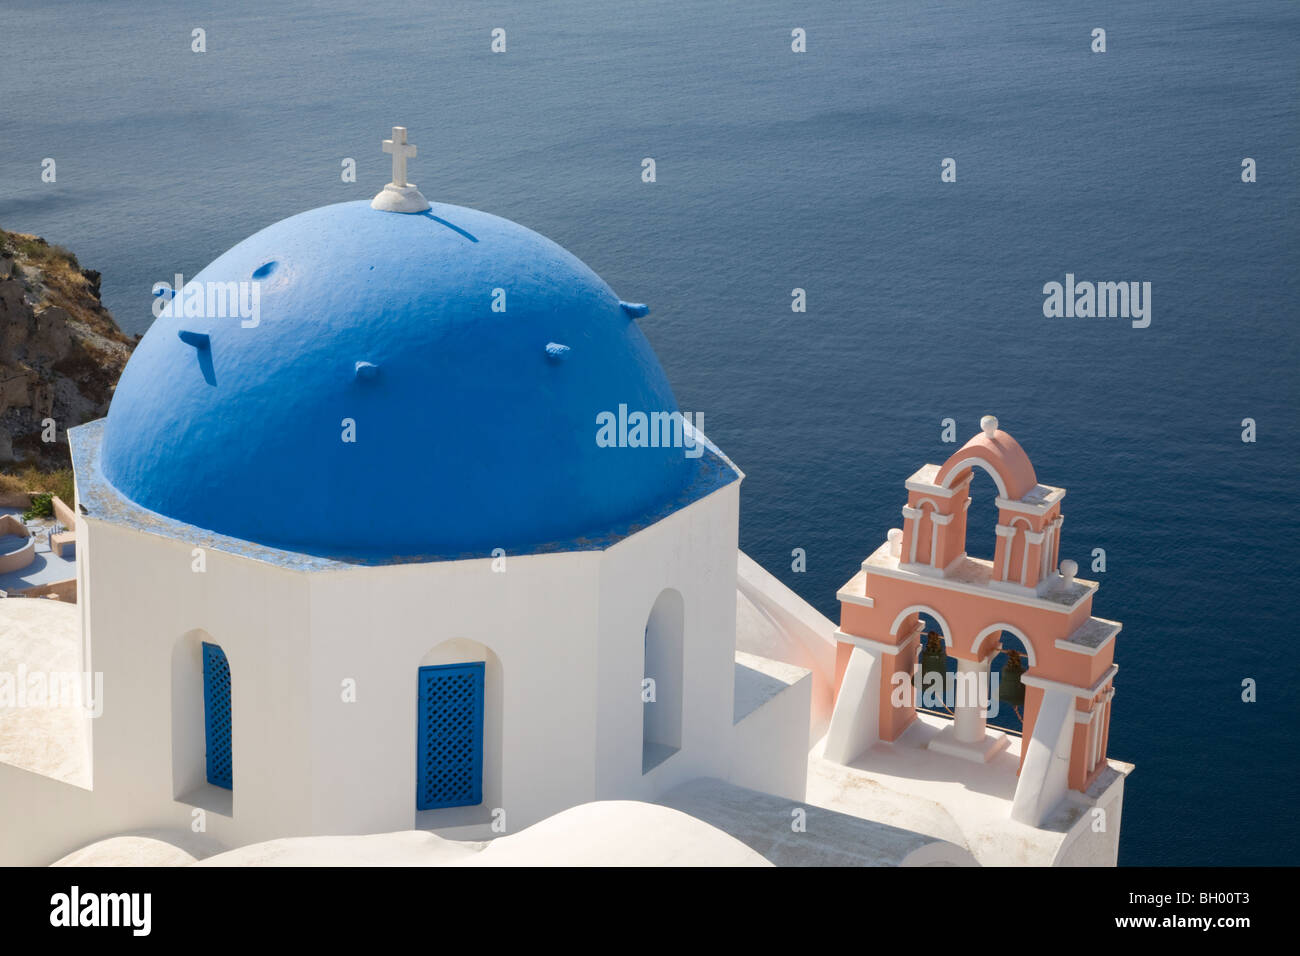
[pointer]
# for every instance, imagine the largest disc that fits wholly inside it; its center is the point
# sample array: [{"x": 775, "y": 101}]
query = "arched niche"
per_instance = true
[
  {"x": 661, "y": 712},
  {"x": 990, "y": 636},
  {"x": 992, "y": 642},
  {"x": 465, "y": 651},
  {"x": 188, "y": 725},
  {"x": 906, "y": 615},
  {"x": 907, "y": 620}
]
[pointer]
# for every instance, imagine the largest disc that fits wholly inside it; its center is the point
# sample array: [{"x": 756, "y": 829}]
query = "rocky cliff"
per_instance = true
[{"x": 60, "y": 351}]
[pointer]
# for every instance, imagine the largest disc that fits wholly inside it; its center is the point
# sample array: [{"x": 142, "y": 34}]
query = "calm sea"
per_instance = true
[{"x": 818, "y": 171}]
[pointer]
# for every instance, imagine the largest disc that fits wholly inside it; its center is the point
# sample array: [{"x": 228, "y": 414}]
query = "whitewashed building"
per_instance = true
[{"x": 394, "y": 525}]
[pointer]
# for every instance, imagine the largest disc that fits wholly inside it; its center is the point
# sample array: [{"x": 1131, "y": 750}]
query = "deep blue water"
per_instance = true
[{"x": 818, "y": 171}]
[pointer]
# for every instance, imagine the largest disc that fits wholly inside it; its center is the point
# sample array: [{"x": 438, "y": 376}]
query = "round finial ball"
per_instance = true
[
  {"x": 1069, "y": 569},
  {"x": 989, "y": 424}
]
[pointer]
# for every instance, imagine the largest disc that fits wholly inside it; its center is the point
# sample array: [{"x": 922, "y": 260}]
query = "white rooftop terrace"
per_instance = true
[{"x": 962, "y": 802}]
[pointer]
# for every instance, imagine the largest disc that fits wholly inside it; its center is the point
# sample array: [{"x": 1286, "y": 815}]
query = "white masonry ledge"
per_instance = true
[
  {"x": 759, "y": 680},
  {"x": 975, "y": 576},
  {"x": 854, "y": 591},
  {"x": 1091, "y": 636}
]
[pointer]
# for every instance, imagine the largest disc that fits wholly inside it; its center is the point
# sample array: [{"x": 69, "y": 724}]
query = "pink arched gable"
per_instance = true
[{"x": 1001, "y": 455}]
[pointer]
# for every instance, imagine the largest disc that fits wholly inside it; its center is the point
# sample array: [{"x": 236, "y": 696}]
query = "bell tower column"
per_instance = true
[
  {"x": 897, "y": 691},
  {"x": 970, "y": 708},
  {"x": 968, "y": 735}
]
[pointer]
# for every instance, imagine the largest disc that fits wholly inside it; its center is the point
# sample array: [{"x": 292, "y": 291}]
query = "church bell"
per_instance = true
[
  {"x": 934, "y": 660},
  {"x": 1010, "y": 689}
]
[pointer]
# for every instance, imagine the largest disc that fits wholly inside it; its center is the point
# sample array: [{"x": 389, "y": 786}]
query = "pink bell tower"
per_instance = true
[{"x": 1024, "y": 591}]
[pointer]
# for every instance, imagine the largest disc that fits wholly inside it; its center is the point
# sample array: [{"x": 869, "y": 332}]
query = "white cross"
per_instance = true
[{"x": 402, "y": 151}]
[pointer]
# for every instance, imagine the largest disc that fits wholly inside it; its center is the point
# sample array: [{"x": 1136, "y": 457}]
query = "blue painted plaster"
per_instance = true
[{"x": 469, "y": 435}]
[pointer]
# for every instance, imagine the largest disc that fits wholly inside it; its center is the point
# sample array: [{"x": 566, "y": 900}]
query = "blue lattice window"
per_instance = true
[
  {"x": 450, "y": 737},
  {"x": 216, "y": 715}
]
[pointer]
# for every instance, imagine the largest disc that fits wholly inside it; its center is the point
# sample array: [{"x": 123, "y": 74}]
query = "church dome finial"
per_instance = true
[{"x": 399, "y": 195}]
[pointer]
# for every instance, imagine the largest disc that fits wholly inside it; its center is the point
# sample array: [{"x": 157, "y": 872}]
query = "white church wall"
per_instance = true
[
  {"x": 769, "y": 744},
  {"x": 691, "y": 552},
  {"x": 324, "y": 669},
  {"x": 149, "y": 596},
  {"x": 536, "y": 622}
]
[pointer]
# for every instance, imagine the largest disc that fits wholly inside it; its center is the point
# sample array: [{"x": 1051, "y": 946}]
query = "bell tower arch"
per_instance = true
[{"x": 1025, "y": 591}]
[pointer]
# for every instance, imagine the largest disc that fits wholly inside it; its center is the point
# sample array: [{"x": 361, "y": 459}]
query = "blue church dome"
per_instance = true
[{"x": 413, "y": 385}]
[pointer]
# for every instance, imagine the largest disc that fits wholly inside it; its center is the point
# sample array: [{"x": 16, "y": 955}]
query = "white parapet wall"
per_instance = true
[{"x": 769, "y": 738}]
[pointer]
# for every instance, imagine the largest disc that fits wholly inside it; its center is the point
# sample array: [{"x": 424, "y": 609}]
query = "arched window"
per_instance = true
[
  {"x": 201, "y": 725},
  {"x": 1017, "y": 549},
  {"x": 926, "y": 529},
  {"x": 1009, "y": 703},
  {"x": 933, "y": 664},
  {"x": 449, "y": 740},
  {"x": 982, "y": 516},
  {"x": 661, "y": 710},
  {"x": 216, "y": 716}
]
